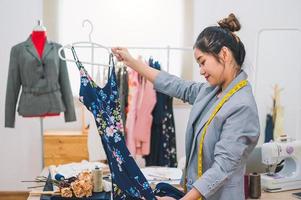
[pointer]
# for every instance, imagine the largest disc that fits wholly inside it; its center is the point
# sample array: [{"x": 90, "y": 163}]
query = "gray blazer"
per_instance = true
[
  {"x": 230, "y": 138},
  {"x": 45, "y": 83}
]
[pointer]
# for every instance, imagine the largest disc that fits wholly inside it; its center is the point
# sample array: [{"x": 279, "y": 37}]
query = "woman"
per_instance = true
[{"x": 223, "y": 127}]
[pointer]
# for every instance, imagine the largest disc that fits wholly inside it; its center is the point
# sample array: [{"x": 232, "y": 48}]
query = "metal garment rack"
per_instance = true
[
  {"x": 167, "y": 48},
  {"x": 93, "y": 45}
]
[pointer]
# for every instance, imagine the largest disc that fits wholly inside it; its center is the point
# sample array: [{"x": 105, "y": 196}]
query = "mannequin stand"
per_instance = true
[{"x": 42, "y": 138}]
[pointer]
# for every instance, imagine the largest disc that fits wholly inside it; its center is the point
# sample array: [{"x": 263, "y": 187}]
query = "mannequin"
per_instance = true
[
  {"x": 38, "y": 38},
  {"x": 35, "y": 67}
]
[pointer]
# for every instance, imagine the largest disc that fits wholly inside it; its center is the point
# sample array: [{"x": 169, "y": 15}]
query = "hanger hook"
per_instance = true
[{"x": 91, "y": 26}]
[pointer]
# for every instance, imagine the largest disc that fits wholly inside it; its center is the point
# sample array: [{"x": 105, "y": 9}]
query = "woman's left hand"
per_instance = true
[{"x": 165, "y": 198}]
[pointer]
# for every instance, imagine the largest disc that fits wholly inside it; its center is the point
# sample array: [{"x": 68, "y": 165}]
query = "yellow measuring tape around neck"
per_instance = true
[{"x": 237, "y": 87}]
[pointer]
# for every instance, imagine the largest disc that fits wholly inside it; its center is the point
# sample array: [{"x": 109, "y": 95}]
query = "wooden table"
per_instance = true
[
  {"x": 264, "y": 195},
  {"x": 34, "y": 197},
  {"x": 286, "y": 195}
]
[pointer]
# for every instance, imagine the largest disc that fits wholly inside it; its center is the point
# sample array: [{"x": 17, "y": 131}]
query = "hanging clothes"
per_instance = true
[
  {"x": 122, "y": 82},
  {"x": 144, "y": 119},
  {"x": 128, "y": 181},
  {"x": 163, "y": 150},
  {"x": 142, "y": 99},
  {"x": 133, "y": 84}
]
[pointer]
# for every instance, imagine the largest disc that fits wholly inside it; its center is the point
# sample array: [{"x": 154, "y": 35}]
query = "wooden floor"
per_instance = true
[{"x": 13, "y": 195}]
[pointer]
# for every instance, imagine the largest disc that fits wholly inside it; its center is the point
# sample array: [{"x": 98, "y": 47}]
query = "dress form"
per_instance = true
[{"x": 38, "y": 38}]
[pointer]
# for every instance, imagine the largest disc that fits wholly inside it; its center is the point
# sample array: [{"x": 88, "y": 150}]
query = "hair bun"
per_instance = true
[{"x": 231, "y": 23}]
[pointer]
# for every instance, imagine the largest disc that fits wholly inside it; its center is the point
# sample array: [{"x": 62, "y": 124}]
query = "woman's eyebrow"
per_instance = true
[{"x": 198, "y": 59}]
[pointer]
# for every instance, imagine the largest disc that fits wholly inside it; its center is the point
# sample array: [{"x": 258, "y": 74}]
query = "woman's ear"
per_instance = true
[{"x": 224, "y": 55}]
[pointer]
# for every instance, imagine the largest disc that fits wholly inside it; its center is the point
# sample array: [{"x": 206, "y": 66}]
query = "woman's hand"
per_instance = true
[
  {"x": 165, "y": 198},
  {"x": 123, "y": 55}
]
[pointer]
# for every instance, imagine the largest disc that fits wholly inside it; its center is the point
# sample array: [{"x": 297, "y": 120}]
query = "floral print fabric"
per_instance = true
[{"x": 128, "y": 181}]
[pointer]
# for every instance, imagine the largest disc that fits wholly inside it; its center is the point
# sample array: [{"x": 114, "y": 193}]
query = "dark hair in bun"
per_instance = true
[
  {"x": 213, "y": 38},
  {"x": 231, "y": 23}
]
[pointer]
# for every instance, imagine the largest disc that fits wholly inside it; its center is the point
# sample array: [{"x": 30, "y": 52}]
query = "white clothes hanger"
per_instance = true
[
  {"x": 85, "y": 44},
  {"x": 39, "y": 26}
]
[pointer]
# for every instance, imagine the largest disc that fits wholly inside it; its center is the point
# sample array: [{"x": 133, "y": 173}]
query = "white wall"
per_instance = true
[
  {"x": 20, "y": 148},
  {"x": 272, "y": 57}
]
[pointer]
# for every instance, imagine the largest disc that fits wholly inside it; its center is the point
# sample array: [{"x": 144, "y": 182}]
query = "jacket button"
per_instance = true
[{"x": 42, "y": 77}]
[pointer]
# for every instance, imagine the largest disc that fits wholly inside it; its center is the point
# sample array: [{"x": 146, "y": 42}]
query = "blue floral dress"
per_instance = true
[{"x": 128, "y": 181}]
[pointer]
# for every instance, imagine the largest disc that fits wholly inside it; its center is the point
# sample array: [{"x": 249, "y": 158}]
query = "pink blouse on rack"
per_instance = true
[
  {"x": 141, "y": 102},
  {"x": 132, "y": 107}
]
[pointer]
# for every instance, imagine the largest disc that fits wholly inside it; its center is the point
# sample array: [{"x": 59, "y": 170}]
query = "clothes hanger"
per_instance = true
[{"x": 85, "y": 44}]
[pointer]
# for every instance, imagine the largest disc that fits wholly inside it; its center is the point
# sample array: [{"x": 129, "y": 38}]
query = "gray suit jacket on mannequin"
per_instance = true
[
  {"x": 231, "y": 136},
  {"x": 45, "y": 83}
]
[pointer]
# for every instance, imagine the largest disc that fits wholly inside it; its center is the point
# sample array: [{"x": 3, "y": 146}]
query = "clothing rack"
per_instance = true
[{"x": 93, "y": 45}]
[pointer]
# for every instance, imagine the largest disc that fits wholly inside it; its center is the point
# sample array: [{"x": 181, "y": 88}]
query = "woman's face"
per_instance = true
[{"x": 210, "y": 68}]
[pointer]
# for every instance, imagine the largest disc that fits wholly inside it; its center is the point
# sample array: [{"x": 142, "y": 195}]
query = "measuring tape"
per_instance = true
[{"x": 237, "y": 87}]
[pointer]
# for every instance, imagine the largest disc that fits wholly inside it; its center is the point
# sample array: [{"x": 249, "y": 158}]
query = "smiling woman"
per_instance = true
[
  {"x": 219, "y": 52},
  {"x": 223, "y": 127}
]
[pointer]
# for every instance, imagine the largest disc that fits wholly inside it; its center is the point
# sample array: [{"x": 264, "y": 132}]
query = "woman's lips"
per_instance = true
[{"x": 206, "y": 77}]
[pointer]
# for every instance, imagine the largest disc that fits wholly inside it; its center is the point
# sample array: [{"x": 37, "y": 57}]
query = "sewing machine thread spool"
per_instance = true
[
  {"x": 59, "y": 177},
  {"x": 255, "y": 186},
  {"x": 97, "y": 180},
  {"x": 246, "y": 185}
]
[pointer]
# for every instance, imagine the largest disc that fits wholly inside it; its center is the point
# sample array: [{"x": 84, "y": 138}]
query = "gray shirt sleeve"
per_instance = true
[
  {"x": 12, "y": 89},
  {"x": 174, "y": 86}
]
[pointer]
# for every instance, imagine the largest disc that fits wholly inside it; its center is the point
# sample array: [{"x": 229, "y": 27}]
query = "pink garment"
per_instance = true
[
  {"x": 141, "y": 102},
  {"x": 146, "y": 103},
  {"x": 133, "y": 92}
]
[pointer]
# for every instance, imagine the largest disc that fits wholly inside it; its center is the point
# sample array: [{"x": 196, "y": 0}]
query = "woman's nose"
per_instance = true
[{"x": 202, "y": 70}]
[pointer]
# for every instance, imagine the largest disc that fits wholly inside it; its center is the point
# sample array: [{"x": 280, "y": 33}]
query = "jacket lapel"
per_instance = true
[
  {"x": 240, "y": 77},
  {"x": 31, "y": 49},
  {"x": 201, "y": 104},
  {"x": 201, "y": 101},
  {"x": 47, "y": 49}
]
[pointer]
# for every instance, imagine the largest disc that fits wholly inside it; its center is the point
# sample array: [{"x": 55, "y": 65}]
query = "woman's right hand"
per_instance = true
[{"x": 123, "y": 55}]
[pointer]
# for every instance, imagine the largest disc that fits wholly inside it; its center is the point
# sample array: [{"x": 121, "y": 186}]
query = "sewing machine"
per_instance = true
[{"x": 289, "y": 177}]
